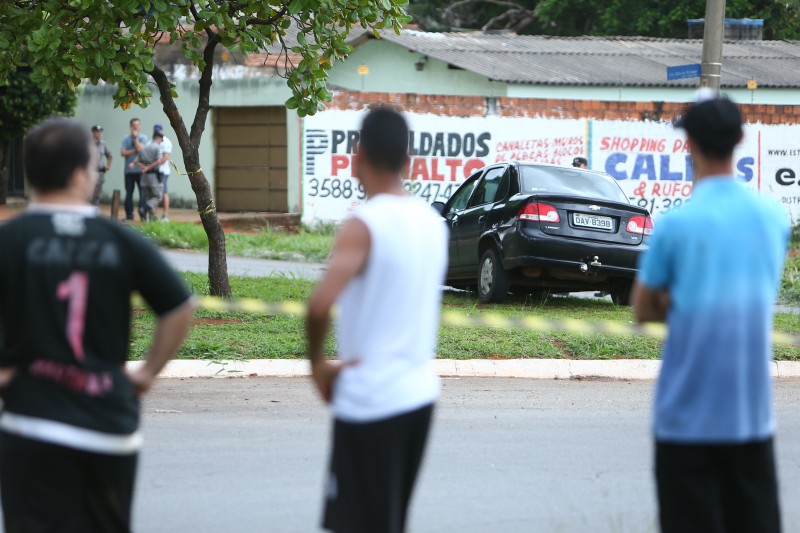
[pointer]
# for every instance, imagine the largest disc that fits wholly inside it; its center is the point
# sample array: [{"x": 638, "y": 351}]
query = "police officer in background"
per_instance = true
[{"x": 103, "y": 161}]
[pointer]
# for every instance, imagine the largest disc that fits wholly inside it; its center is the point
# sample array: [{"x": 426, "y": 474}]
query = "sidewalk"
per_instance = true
[{"x": 623, "y": 370}]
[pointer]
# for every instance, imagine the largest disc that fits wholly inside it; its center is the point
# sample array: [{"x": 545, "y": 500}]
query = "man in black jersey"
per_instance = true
[{"x": 69, "y": 430}]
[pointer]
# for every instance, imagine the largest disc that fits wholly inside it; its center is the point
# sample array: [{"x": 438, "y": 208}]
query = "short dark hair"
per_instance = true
[
  {"x": 134, "y": 119},
  {"x": 52, "y": 151},
  {"x": 158, "y": 133},
  {"x": 715, "y": 125},
  {"x": 384, "y": 139}
]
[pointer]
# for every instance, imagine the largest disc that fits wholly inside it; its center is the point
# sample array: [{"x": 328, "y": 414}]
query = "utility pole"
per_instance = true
[{"x": 711, "y": 63}]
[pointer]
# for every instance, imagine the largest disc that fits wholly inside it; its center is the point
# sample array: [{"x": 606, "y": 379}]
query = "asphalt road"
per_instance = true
[
  {"x": 242, "y": 266},
  {"x": 248, "y": 455}
]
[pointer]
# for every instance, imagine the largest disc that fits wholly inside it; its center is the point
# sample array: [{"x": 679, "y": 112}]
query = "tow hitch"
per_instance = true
[{"x": 591, "y": 267}]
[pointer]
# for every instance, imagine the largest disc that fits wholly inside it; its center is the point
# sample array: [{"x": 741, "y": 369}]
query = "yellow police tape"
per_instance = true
[{"x": 452, "y": 318}]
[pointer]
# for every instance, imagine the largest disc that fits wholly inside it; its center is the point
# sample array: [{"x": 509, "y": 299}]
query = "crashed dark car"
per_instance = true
[{"x": 528, "y": 227}]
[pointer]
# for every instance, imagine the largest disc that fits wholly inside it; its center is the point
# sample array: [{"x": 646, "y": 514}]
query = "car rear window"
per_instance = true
[{"x": 555, "y": 180}]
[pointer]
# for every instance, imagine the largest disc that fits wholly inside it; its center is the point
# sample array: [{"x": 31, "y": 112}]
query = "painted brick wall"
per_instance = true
[{"x": 472, "y": 106}]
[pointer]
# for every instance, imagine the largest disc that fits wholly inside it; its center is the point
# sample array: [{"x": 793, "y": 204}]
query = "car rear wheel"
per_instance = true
[
  {"x": 492, "y": 278},
  {"x": 621, "y": 293}
]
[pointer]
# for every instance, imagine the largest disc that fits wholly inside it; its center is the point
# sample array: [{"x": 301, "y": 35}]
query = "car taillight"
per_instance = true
[
  {"x": 539, "y": 212},
  {"x": 640, "y": 225}
]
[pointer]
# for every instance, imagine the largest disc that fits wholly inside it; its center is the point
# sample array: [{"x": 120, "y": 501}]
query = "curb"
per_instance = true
[{"x": 625, "y": 369}]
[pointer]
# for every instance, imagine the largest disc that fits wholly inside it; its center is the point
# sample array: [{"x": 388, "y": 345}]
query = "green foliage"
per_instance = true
[
  {"x": 24, "y": 104},
  {"x": 654, "y": 18},
  {"x": 66, "y": 41},
  {"x": 790, "y": 282}
]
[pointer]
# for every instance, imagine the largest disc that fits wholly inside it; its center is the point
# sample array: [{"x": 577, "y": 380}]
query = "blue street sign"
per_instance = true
[{"x": 683, "y": 71}]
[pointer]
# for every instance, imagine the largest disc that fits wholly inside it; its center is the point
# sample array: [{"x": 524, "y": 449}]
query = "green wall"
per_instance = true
[
  {"x": 392, "y": 69},
  {"x": 96, "y": 106}
]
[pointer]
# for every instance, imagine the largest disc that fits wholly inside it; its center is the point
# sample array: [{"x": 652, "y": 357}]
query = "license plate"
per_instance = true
[{"x": 593, "y": 221}]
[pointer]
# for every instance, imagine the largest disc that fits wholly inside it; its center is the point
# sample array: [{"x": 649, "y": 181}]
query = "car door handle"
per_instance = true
[{"x": 481, "y": 219}]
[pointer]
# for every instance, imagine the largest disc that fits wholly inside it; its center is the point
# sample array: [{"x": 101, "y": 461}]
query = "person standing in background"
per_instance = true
[
  {"x": 714, "y": 419},
  {"x": 152, "y": 190},
  {"x": 386, "y": 272},
  {"x": 103, "y": 162},
  {"x": 164, "y": 169},
  {"x": 580, "y": 162},
  {"x": 131, "y": 146},
  {"x": 69, "y": 429}
]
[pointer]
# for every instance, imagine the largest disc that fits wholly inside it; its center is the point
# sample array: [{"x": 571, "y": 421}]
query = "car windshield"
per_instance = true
[{"x": 555, "y": 180}]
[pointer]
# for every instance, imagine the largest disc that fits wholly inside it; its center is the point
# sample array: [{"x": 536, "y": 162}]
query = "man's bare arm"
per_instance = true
[
  {"x": 649, "y": 305},
  {"x": 350, "y": 253},
  {"x": 170, "y": 332},
  {"x": 164, "y": 159}
]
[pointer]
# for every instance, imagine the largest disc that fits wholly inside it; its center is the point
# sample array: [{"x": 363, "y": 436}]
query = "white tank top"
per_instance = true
[{"x": 389, "y": 314}]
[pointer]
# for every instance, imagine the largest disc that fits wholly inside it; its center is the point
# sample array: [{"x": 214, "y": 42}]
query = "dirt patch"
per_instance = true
[
  {"x": 561, "y": 345},
  {"x": 232, "y": 226},
  {"x": 497, "y": 357},
  {"x": 250, "y": 227},
  {"x": 212, "y": 321}
]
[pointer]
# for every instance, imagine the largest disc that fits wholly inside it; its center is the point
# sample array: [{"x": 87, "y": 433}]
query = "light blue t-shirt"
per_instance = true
[
  {"x": 127, "y": 144},
  {"x": 720, "y": 257}
]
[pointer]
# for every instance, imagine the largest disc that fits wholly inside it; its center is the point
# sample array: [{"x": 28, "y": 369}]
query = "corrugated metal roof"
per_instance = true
[{"x": 599, "y": 61}]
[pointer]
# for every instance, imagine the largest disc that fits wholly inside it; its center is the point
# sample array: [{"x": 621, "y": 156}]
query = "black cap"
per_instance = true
[
  {"x": 578, "y": 161},
  {"x": 714, "y": 123},
  {"x": 96, "y": 128}
]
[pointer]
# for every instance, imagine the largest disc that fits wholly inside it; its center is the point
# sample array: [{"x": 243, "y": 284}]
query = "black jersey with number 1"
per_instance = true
[{"x": 66, "y": 281}]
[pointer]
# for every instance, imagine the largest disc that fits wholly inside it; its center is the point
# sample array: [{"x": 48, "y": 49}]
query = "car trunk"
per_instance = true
[{"x": 591, "y": 219}]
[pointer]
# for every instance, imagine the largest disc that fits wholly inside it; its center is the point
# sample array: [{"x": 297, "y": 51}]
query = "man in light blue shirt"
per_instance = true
[
  {"x": 712, "y": 272},
  {"x": 131, "y": 146}
]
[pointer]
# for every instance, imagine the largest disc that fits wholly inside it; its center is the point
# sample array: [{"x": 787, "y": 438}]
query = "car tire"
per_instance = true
[
  {"x": 492, "y": 278},
  {"x": 621, "y": 293}
]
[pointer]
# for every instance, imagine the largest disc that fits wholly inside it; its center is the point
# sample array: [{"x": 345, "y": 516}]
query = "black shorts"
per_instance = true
[
  {"x": 50, "y": 488},
  {"x": 372, "y": 473},
  {"x": 717, "y": 488}
]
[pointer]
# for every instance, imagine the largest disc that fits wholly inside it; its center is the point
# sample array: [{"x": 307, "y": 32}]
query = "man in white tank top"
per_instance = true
[{"x": 386, "y": 274}]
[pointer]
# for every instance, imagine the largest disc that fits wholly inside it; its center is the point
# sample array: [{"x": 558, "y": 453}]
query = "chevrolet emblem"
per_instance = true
[{"x": 594, "y": 207}]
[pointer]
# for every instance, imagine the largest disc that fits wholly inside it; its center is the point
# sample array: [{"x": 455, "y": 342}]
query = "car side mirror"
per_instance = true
[{"x": 439, "y": 206}]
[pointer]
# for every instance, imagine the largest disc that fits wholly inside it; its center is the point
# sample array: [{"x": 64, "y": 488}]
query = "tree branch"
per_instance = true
[
  {"x": 170, "y": 109},
  {"x": 193, "y": 9},
  {"x": 270, "y": 21},
  {"x": 203, "y": 101},
  {"x": 285, "y": 52},
  {"x": 516, "y": 9},
  {"x": 510, "y": 13}
]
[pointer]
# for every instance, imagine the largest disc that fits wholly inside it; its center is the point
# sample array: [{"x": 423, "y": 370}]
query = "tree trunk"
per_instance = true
[
  {"x": 190, "y": 143},
  {"x": 5, "y": 159},
  {"x": 217, "y": 256}
]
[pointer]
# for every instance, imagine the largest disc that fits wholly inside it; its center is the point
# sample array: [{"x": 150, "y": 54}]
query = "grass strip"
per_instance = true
[
  {"x": 232, "y": 335},
  {"x": 258, "y": 242}
]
